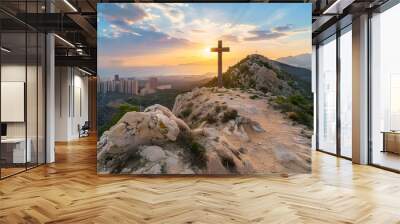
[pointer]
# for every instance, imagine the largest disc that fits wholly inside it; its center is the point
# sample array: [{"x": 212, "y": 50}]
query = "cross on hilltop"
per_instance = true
[{"x": 220, "y": 49}]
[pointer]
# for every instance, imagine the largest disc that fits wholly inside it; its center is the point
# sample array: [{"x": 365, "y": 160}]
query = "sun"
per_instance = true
[{"x": 207, "y": 52}]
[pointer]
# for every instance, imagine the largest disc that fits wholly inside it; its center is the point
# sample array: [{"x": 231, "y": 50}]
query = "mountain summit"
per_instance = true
[{"x": 261, "y": 73}]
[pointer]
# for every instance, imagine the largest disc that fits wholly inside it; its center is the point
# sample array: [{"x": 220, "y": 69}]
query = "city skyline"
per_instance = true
[
  {"x": 175, "y": 39},
  {"x": 130, "y": 86}
]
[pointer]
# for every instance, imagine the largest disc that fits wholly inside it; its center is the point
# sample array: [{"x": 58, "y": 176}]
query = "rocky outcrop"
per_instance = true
[
  {"x": 134, "y": 135},
  {"x": 209, "y": 131}
]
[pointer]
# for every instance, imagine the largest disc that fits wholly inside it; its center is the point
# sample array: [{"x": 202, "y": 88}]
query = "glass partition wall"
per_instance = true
[
  {"x": 334, "y": 94},
  {"x": 22, "y": 99},
  {"x": 345, "y": 108},
  {"x": 327, "y": 95},
  {"x": 385, "y": 89}
]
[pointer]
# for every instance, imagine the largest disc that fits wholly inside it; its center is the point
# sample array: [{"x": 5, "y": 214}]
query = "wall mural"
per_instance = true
[{"x": 204, "y": 88}]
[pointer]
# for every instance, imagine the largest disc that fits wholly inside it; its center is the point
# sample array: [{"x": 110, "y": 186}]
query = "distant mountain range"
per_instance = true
[{"x": 301, "y": 60}]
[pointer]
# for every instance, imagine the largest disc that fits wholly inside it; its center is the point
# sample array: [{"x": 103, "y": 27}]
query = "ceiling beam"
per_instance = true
[
  {"x": 49, "y": 22},
  {"x": 77, "y": 61},
  {"x": 86, "y": 27}
]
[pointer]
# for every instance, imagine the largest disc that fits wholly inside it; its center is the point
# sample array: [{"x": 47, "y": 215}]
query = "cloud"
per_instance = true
[
  {"x": 120, "y": 19},
  {"x": 126, "y": 14},
  {"x": 287, "y": 27},
  {"x": 173, "y": 12},
  {"x": 198, "y": 31},
  {"x": 124, "y": 17},
  {"x": 147, "y": 42},
  {"x": 203, "y": 29},
  {"x": 229, "y": 38},
  {"x": 257, "y": 35},
  {"x": 274, "y": 33}
]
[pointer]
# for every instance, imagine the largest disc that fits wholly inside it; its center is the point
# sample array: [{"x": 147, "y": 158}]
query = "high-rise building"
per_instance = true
[
  {"x": 153, "y": 82},
  {"x": 129, "y": 86},
  {"x": 132, "y": 86},
  {"x": 135, "y": 87},
  {"x": 117, "y": 85}
]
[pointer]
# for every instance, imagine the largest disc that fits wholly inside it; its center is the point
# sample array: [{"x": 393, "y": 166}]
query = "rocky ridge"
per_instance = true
[
  {"x": 208, "y": 131},
  {"x": 266, "y": 75}
]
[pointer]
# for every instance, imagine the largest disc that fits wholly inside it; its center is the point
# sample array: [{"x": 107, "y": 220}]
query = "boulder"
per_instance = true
[
  {"x": 152, "y": 153},
  {"x": 157, "y": 108},
  {"x": 135, "y": 129}
]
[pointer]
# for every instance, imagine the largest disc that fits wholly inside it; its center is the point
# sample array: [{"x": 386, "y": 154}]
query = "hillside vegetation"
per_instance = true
[{"x": 291, "y": 85}]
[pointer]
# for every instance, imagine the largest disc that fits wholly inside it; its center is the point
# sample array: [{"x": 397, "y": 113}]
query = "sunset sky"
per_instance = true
[{"x": 150, "y": 39}]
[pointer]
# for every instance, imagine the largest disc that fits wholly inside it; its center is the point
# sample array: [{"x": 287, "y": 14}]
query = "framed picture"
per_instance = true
[{"x": 204, "y": 88}]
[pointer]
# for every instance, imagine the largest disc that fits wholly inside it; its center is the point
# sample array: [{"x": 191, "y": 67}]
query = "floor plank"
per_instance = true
[{"x": 70, "y": 191}]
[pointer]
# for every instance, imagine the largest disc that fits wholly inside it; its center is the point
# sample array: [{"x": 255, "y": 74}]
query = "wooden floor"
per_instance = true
[
  {"x": 69, "y": 191},
  {"x": 5, "y": 172},
  {"x": 387, "y": 159}
]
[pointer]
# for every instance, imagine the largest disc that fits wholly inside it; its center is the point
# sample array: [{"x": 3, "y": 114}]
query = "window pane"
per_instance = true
[
  {"x": 31, "y": 97},
  {"x": 327, "y": 96},
  {"x": 13, "y": 86},
  {"x": 346, "y": 93},
  {"x": 385, "y": 84},
  {"x": 41, "y": 98}
]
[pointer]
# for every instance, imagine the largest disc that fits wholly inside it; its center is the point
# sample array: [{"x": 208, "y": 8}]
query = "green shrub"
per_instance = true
[
  {"x": 186, "y": 112},
  {"x": 122, "y": 110},
  {"x": 264, "y": 89},
  {"x": 163, "y": 168},
  {"x": 279, "y": 74},
  {"x": 229, "y": 115},
  {"x": 253, "y": 97},
  {"x": 252, "y": 83},
  {"x": 298, "y": 107},
  {"x": 229, "y": 164},
  {"x": 243, "y": 69},
  {"x": 194, "y": 117},
  {"x": 266, "y": 64},
  {"x": 218, "y": 108},
  {"x": 291, "y": 83},
  {"x": 190, "y": 105},
  {"x": 293, "y": 115},
  {"x": 197, "y": 152},
  {"x": 210, "y": 119}
]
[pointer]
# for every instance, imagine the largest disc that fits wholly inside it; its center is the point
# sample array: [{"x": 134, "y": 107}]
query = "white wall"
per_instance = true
[
  {"x": 33, "y": 126},
  {"x": 62, "y": 81},
  {"x": 14, "y": 73},
  {"x": 71, "y": 94}
]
